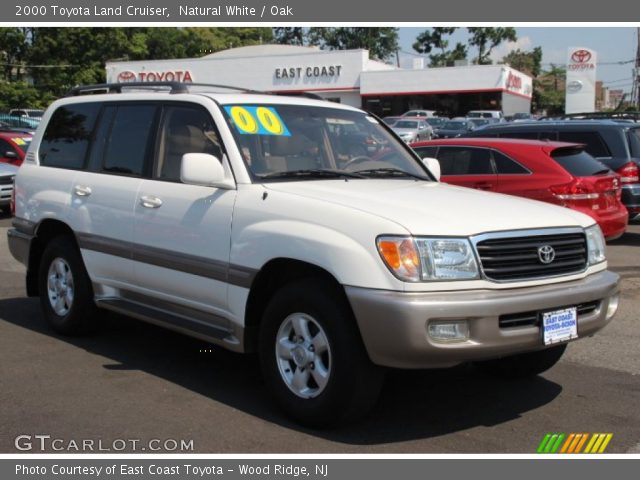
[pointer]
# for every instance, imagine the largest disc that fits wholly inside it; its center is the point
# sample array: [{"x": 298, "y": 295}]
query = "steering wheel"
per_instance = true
[{"x": 355, "y": 161}]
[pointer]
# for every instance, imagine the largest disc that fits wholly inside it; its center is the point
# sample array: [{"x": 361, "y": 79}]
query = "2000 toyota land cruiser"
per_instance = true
[{"x": 300, "y": 229}]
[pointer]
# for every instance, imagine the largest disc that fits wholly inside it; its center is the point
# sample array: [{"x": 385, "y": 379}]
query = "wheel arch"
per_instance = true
[
  {"x": 44, "y": 232},
  {"x": 273, "y": 275}
]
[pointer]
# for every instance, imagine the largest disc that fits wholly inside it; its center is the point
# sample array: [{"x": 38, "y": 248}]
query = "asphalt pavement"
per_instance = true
[{"x": 134, "y": 381}]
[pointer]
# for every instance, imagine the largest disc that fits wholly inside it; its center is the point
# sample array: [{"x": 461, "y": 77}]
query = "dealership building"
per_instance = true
[{"x": 344, "y": 76}]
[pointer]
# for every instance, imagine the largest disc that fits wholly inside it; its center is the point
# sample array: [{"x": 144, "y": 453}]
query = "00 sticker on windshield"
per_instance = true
[{"x": 257, "y": 120}]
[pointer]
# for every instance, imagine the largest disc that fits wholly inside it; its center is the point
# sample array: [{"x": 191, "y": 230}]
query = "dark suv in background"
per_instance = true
[{"x": 616, "y": 144}]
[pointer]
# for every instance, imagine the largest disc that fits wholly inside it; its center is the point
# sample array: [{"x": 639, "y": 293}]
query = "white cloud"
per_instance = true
[{"x": 498, "y": 53}]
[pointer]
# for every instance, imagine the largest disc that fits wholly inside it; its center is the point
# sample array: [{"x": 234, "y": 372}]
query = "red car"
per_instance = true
[
  {"x": 554, "y": 172},
  {"x": 13, "y": 147}
]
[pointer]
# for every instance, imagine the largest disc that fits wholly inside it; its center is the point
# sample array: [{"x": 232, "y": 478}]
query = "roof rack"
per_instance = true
[
  {"x": 173, "y": 87},
  {"x": 634, "y": 116}
]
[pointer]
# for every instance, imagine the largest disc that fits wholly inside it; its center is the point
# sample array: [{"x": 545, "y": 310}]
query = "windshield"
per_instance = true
[
  {"x": 454, "y": 126},
  {"x": 35, "y": 113},
  {"x": 278, "y": 140},
  {"x": 634, "y": 142},
  {"x": 405, "y": 124}
]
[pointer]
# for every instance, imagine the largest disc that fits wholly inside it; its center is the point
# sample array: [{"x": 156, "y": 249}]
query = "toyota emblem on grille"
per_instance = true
[{"x": 546, "y": 254}]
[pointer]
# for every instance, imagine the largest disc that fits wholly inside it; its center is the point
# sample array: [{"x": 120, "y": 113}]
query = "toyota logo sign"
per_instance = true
[
  {"x": 581, "y": 56},
  {"x": 546, "y": 254},
  {"x": 126, "y": 76}
]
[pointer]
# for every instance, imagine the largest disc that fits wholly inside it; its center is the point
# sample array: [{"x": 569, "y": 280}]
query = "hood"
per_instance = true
[
  {"x": 401, "y": 131},
  {"x": 430, "y": 208},
  {"x": 7, "y": 169},
  {"x": 442, "y": 131}
]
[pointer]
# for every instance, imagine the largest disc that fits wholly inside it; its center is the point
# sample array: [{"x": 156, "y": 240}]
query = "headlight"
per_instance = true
[
  {"x": 595, "y": 245},
  {"x": 428, "y": 259}
]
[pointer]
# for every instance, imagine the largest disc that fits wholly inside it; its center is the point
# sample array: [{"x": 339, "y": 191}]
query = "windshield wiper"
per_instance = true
[
  {"x": 602, "y": 172},
  {"x": 312, "y": 173},
  {"x": 391, "y": 172}
]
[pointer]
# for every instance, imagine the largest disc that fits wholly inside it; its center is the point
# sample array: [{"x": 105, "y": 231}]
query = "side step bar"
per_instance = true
[{"x": 209, "y": 330}]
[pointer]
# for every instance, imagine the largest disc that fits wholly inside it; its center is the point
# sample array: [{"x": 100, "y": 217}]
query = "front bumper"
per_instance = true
[{"x": 394, "y": 325}]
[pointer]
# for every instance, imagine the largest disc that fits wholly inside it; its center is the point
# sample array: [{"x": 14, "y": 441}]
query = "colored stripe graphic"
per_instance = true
[{"x": 574, "y": 443}]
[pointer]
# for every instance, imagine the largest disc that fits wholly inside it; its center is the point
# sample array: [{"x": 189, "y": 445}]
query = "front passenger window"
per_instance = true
[{"x": 184, "y": 130}]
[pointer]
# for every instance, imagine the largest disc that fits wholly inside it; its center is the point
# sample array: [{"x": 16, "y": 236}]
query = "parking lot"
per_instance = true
[{"x": 137, "y": 381}]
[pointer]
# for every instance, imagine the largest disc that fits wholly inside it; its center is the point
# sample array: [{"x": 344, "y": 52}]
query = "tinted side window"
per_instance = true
[
  {"x": 426, "y": 151},
  {"x": 506, "y": 166},
  {"x": 634, "y": 142},
  {"x": 184, "y": 130},
  {"x": 66, "y": 139},
  {"x": 127, "y": 146},
  {"x": 464, "y": 161},
  {"x": 593, "y": 141}
]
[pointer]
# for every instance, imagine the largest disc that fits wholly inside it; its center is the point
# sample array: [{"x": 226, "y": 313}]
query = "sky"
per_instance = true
[{"x": 612, "y": 44}]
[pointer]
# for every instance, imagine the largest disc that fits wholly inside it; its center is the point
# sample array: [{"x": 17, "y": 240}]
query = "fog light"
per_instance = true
[
  {"x": 449, "y": 331},
  {"x": 612, "y": 308}
]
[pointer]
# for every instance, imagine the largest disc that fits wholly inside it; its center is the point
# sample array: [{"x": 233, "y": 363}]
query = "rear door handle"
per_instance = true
[
  {"x": 149, "y": 201},
  {"x": 82, "y": 191}
]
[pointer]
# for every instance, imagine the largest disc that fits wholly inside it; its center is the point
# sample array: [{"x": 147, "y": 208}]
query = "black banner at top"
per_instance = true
[{"x": 307, "y": 11}]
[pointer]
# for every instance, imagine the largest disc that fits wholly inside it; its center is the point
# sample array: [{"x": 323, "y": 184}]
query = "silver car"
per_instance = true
[
  {"x": 7, "y": 174},
  {"x": 413, "y": 129}
]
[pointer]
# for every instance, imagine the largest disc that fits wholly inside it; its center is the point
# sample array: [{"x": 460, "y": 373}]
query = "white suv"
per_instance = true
[{"x": 259, "y": 223}]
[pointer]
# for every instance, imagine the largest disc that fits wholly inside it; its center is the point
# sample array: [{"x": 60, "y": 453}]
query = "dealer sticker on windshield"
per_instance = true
[
  {"x": 560, "y": 325},
  {"x": 256, "y": 120}
]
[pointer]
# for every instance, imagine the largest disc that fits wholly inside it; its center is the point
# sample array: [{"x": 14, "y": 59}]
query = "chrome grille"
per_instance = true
[
  {"x": 509, "y": 259},
  {"x": 8, "y": 180}
]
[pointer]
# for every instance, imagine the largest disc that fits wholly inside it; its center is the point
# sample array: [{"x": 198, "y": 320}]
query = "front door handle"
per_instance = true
[
  {"x": 149, "y": 201},
  {"x": 82, "y": 191}
]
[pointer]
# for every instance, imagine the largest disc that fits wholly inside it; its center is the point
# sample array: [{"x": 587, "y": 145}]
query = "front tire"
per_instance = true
[
  {"x": 66, "y": 296},
  {"x": 524, "y": 365},
  {"x": 312, "y": 356}
]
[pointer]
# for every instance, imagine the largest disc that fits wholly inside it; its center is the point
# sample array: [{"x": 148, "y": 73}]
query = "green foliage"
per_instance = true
[
  {"x": 382, "y": 42},
  {"x": 487, "y": 38},
  {"x": 429, "y": 40},
  {"x": 527, "y": 62},
  {"x": 57, "y": 59},
  {"x": 289, "y": 35},
  {"x": 19, "y": 94},
  {"x": 549, "y": 90}
]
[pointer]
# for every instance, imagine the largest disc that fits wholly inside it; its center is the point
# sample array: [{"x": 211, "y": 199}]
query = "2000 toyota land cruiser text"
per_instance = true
[{"x": 299, "y": 229}]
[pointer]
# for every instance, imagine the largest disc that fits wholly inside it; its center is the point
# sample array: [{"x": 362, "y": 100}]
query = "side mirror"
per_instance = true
[
  {"x": 433, "y": 165},
  {"x": 205, "y": 170}
]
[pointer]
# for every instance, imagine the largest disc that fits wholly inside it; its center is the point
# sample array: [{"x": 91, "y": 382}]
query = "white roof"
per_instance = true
[{"x": 260, "y": 50}]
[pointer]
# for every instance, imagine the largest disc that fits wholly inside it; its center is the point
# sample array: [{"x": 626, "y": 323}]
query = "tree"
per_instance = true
[
  {"x": 527, "y": 62},
  {"x": 487, "y": 38},
  {"x": 13, "y": 47},
  {"x": 289, "y": 35},
  {"x": 382, "y": 42},
  {"x": 549, "y": 90},
  {"x": 429, "y": 40}
]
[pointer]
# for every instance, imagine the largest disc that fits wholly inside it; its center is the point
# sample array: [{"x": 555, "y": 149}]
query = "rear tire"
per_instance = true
[
  {"x": 66, "y": 296},
  {"x": 312, "y": 356},
  {"x": 524, "y": 365}
]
